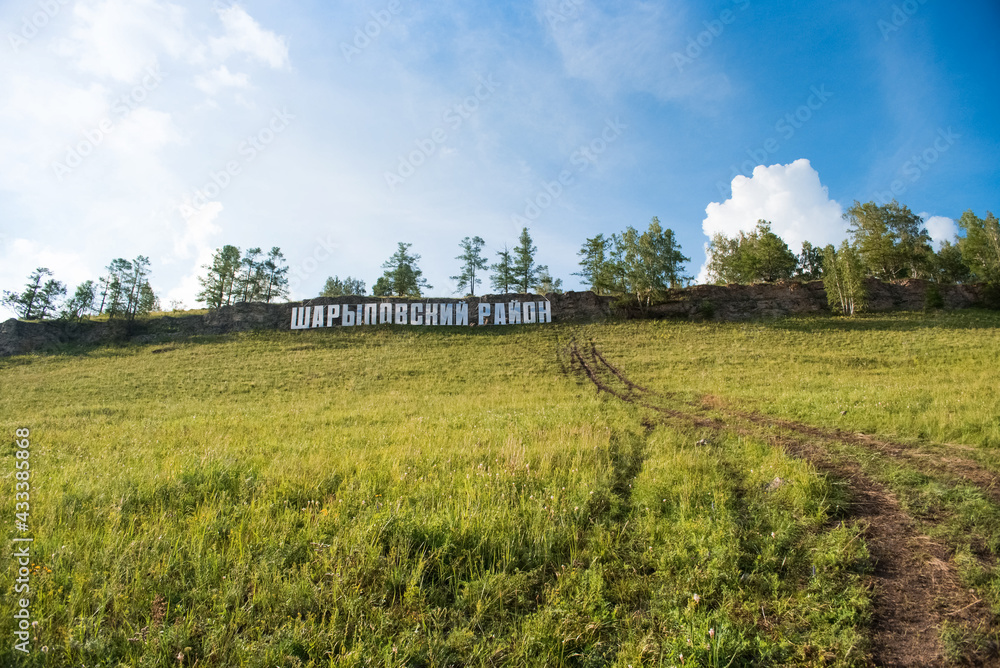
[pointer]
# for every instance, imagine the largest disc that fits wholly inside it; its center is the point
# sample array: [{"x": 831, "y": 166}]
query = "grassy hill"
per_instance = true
[{"x": 810, "y": 491}]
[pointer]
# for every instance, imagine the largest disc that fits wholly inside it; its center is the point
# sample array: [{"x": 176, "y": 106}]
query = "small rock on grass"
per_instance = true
[{"x": 774, "y": 484}]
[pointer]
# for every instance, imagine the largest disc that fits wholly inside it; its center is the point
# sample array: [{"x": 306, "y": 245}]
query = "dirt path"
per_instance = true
[
  {"x": 959, "y": 469},
  {"x": 915, "y": 584}
]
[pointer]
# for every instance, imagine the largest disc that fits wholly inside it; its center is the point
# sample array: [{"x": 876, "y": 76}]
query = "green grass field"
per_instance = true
[{"x": 465, "y": 497}]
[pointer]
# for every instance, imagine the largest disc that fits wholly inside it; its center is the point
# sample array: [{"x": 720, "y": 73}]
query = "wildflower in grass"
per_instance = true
[{"x": 696, "y": 598}]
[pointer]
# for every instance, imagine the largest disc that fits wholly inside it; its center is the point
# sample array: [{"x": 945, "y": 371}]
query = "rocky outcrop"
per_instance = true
[
  {"x": 702, "y": 302},
  {"x": 784, "y": 298},
  {"x": 911, "y": 295},
  {"x": 740, "y": 302}
]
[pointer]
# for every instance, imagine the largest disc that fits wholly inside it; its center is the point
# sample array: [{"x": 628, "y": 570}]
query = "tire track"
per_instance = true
[{"x": 915, "y": 584}]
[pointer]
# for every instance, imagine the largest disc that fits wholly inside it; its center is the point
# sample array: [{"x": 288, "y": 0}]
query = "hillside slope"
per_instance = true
[{"x": 723, "y": 493}]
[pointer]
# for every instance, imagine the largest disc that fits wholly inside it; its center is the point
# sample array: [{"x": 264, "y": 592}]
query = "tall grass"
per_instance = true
[{"x": 406, "y": 498}]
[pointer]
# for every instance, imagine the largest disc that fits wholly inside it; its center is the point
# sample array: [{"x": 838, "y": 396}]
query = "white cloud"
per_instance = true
[
  {"x": 143, "y": 131},
  {"x": 196, "y": 240},
  {"x": 42, "y": 117},
  {"x": 941, "y": 228},
  {"x": 630, "y": 49},
  {"x": 221, "y": 77},
  {"x": 119, "y": 39},
  {"x": 199, "y": 227},
  {"x": 790, "y": 196},
  {"x": 244, "y": 35}
]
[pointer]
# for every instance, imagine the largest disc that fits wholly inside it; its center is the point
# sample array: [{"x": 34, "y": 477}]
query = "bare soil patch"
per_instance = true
[{"x": 916, "y": 589}]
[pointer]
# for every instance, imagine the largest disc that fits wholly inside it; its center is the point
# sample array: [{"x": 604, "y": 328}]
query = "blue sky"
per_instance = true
[{"x": 168, "y": 129}]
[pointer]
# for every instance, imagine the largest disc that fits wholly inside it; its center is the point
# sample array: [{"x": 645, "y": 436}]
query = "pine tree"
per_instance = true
[
  {"x": 403, "y": 277},
  {"x": 503, "y": 272},
  {"x": 117, "y": 294},
  {"x": 82, "y": 301},
  {"x": 524, "y": 267},
  {"x": 275, "y": 280},
  {"x": 596, "y": 268},
  {"x": 249, "y": 285},
  {"x": 46, "y": 301},
  {"x": 137, "y": 283},
  {"x": 335, "y": 287},
  {"x": 472, "y": 262},
  {"x": 25, "y": 303},
  {"x": 218, "y": 285}
]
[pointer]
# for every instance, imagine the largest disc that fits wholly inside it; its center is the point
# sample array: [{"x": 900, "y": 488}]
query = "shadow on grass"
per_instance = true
[{"x": 898, "y": 321}]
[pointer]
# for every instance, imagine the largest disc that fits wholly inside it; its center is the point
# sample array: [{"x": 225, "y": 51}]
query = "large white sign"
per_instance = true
[{"x": 420, "y": 313}]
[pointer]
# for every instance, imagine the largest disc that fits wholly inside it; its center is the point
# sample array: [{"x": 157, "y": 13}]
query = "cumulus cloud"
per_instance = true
[
  {"x": 790, "y": 196},
  {"x": 941, "y": 228},
  {"x": 244, "y": 35}
]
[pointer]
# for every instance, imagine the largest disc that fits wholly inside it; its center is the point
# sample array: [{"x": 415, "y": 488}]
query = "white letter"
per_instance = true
[
  {"x": 332, "y": 313},
  {"x": 515, "y": 313},
  {"x": 462, "y": 314},
  {"x": 431, "y": 318},
  {"x": 484, "y": 312},
  {"x": 300, "y": 317},
  {"x": 529, "y": 313},
  {"x": 501, "y": 317},
  {"x": 545, "y": 311}
]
